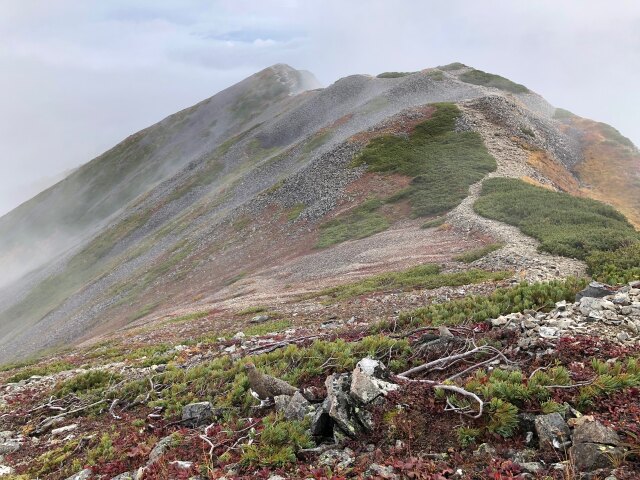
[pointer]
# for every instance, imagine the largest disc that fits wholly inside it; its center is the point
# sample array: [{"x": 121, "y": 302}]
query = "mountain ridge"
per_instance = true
[{"x": 279, "y": 135}]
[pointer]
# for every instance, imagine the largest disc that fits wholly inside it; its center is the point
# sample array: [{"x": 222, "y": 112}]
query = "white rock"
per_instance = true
[
  {"x": 6, "y": 470},
  {"x": 548, "y": 332},
  {"x": 498, "y": 322}
]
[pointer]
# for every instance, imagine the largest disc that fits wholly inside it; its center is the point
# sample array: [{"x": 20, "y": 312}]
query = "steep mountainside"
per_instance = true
[{"x": 269, "y": 189}]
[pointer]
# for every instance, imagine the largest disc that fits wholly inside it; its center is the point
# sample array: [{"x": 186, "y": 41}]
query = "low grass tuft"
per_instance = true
[
  {"x": 295, "y": 211},
  {"x": 436, "y": 222},
  {"x": 253, "y": 310},
  {"x": 360, "y": 222},
  {"x": 477, "y": 253}
]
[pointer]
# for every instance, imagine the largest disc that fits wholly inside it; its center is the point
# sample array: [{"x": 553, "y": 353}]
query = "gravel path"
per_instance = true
[{"x": 520, "y": 252}]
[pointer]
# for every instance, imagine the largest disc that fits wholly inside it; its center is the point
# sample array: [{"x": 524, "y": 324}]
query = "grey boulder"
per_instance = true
[
  {"x": 81, "y": 475},
  {"x": 196, "y": 414},
  {"x": 552, "y": 430},
  {"x": 298, "y": 407},
  {"x": 591, "y": 456},
  {"x": 595, "y": 290},
  {"x": 595, "y": 432}
]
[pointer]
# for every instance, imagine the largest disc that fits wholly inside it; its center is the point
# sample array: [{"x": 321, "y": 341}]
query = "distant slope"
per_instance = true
[
  {"x": 610, "y": 170},
  {"x": 57, "y": 218}
]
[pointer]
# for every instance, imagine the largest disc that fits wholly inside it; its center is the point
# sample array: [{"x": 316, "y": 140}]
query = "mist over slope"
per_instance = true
[{"x": 233, "y": 198}]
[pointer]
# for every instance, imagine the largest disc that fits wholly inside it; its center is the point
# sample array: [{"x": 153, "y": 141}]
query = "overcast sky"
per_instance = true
[{"x": 77, "y": 76}]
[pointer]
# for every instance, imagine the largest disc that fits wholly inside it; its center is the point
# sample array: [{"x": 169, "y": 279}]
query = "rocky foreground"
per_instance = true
[{"x": 537, "y": 393}]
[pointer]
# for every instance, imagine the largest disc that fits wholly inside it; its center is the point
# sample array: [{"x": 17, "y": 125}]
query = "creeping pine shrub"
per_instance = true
[
  {"x": 503, "y": 417},
  {"x": 421, "y": 276},
  {"x": 225, "y": 383},
  {"x": 90, "y": 382},
  {"x": 53, "y": 460},
  {"x": 277, "y": 443},
  {"x": 41, "y": 370},
  {"x": 442, "y": 162},
  {"x": 564, "y": 225},
  {"x": 478, "y": 308},
  {"x": 466, "y": 435},
  {"x": 478, "y": 77},
  {"x": 394, "y": 74},
  {"x": 612, "y": 377},
  {"x": 619, "y": 266}
]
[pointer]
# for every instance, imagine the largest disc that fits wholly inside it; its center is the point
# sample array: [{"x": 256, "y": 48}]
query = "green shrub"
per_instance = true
[
  {"x": 53, "y": 461},
  {"x": 277, "y": 443},
  {"x": 562, "y": 114},
  {"x": 224, "y": 382},
  {"x": 253, "y": 310},
  {"x": 503, "y": 417},
  {"x": 619, "y": 266},
  {"x": 295, "y": 211},
  {"x": 478, "y": 77},
  {"x": 466, "y": 435},
  {"x": 91, "y": 381},
  {"x": 452, "y": 66},
  {"x": 103, "y": 451},
  {"x": 394, "y": 74},
  {"x": 614, "y": 135},
  {"x": 40, "y": 370},
  {"x": 267, "y": 327},
  {"x": 477, "y": 253},
  {"x": 564, "y": 225},
  {"x": 528, "y": 132},
  {"x": 478, "y": 308},
  {"x": 435, "y": 75},
  {"x": 422, "y": 276},
  {"x": 360, "y": 222}
]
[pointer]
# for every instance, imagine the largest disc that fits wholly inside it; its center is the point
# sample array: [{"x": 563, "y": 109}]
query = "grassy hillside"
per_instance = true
[{"x": 441, "y": 162}]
